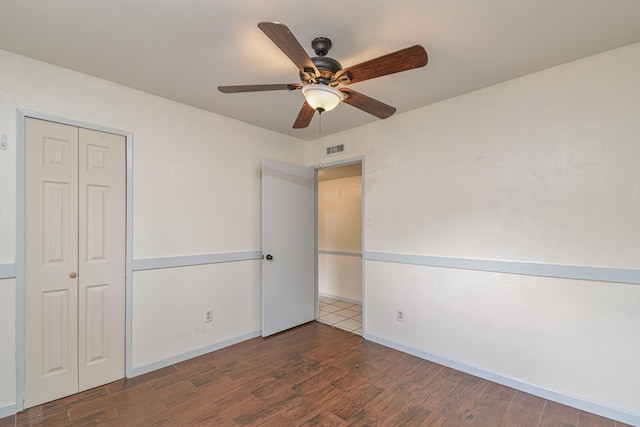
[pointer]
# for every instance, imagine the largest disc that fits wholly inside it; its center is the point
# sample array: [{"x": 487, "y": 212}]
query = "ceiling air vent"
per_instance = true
[{"x": 334, "y": 149}]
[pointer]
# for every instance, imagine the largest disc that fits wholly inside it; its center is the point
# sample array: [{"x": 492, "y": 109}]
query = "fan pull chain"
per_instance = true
[{"x": 320, "y": 138}]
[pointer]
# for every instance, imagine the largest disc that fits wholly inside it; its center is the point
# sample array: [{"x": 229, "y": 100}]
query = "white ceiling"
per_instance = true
[{"x": 184, "y": 49}]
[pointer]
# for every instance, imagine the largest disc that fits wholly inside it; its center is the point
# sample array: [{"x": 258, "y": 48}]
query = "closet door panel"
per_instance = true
[
  {"x": 102, "y": 245},
  {"x": 75, "y": 243},
  {"x": 51, "y": 261}
]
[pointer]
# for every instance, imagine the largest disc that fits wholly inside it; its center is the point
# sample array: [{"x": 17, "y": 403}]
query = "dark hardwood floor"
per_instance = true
[{"x": 313, "y": 375}]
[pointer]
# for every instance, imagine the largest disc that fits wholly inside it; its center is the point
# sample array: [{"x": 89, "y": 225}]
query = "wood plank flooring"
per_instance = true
[{"x": 313, "y": 375}]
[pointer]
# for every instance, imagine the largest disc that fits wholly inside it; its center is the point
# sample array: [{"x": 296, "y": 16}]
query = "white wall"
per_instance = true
[
  {"x": 7, "y": 338},
  {"x": 340, "y": 276},
  {"x": 196, "y": 190},
  {"x": 340, "y": 234},
  {"x": 340, "y": 214},
  {"x": 542, "y": 169},
  {"x": 231, "y": 290}
]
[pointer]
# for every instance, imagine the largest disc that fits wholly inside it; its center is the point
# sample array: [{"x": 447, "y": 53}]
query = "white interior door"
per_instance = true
[
  {"x": 288, "y": 245},
  {"x": 101, "y": 264},
  {"x": 51, "y": 261},
  {"x": 74, "y": 259}
]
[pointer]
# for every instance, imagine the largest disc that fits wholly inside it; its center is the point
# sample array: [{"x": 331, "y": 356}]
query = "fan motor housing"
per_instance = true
[
  {"x": 324, "y": 63},
  {"x": 327, "y": 66}
]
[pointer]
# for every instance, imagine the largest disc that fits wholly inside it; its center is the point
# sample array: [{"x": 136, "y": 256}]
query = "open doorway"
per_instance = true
[{"x": 340, "y": 247}]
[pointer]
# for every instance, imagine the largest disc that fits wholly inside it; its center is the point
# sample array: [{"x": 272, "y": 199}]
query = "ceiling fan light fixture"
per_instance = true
[{"x": 322, "y": 97}]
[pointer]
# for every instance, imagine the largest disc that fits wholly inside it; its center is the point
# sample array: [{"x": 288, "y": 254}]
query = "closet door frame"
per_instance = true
[{"x": 21, "y": 115}]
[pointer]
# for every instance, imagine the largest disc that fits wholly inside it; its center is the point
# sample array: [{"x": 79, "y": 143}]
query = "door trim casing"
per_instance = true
[{"x": 21, "y": 115}]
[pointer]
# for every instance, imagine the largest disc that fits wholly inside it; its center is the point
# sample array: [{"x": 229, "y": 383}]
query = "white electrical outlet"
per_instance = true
[
  {"x": 208, "y": 316},
  {"x": 400, "y": 316}
]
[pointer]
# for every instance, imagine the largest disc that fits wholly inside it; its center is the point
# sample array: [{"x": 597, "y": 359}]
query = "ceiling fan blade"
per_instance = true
[
  {"x": 368, "y": 105},
  {"x": 257, "y": 88},
  {"x": 402, "y": 60},
  {"x": 304, "y": 116},
  {"x": 286, "y": 41}
]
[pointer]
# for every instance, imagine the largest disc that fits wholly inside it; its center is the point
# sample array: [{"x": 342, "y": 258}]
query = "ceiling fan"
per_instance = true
[{"x": 320, "y": 76}]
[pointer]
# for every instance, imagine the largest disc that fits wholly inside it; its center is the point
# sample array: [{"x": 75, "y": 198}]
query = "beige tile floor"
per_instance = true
[{"x": 341, "y": 314}]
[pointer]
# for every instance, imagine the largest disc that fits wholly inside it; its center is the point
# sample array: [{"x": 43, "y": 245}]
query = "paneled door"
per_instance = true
[{"x": 75, "y": 234}]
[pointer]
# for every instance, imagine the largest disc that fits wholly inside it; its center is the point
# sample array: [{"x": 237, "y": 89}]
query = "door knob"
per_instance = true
[
  {"x": 269, "y": 257},
  {"x": 73, "y": 275}
]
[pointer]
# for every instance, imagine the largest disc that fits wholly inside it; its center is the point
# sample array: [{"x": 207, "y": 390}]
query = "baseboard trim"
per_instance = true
[
  {"x": 8, "y": 410},
  {"x": 352, "y": 301},
  {"x": 191, "y": 354},
  {"x": 545, "y": 393}
]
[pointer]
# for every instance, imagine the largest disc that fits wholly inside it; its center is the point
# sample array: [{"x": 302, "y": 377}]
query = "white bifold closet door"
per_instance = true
[{"x": 75, "y": 242}]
